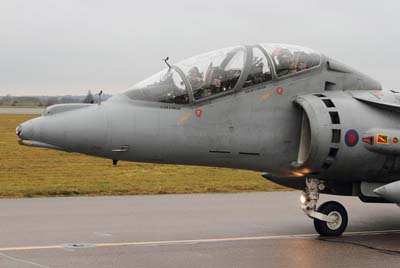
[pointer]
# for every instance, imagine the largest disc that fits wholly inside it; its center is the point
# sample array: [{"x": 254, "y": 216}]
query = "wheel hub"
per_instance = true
[{"x": 337, "y": 222}]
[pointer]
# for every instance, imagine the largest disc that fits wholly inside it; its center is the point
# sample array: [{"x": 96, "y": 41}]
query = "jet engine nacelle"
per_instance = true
[{"x": 336, "y": 136}]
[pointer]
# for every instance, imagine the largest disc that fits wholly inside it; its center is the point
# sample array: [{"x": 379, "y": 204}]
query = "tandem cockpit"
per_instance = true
[{"x": 224, "y": 71}]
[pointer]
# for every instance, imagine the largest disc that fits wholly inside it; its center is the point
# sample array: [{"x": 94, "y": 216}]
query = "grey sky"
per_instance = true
[{"x": 53, "y": 47}]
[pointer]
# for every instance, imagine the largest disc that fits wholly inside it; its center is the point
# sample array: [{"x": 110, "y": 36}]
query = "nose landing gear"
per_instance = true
[{"x": 330, "y": 219}]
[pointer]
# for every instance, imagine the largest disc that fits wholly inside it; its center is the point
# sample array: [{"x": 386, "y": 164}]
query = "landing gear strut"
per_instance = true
[{"x": 330, "y": 219}]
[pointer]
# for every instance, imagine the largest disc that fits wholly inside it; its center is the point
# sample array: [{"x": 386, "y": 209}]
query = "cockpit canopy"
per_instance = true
[
  {"x": 289, "y": 59},
  {"x": 223, "y": 71},
  {"x": 214, "y": 72}
]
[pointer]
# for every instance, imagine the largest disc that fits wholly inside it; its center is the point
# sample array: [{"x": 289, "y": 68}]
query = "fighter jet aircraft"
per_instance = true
[{"x": 303, "y": 119}]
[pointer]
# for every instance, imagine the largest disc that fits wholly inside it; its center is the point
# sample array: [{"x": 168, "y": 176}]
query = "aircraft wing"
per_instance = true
[{"x": 379, "y": 99}]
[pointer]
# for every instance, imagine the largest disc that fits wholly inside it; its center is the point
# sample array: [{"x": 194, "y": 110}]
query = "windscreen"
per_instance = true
[{"x": 166, "y": 86}]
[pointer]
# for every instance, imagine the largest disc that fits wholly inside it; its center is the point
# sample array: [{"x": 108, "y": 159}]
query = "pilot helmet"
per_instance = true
[
  {"x": 194, "y": 72},
  {"x": 283, "y": 57}
]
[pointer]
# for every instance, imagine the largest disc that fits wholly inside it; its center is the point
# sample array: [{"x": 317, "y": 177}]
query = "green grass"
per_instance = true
[{"x": 34, "y": 172}]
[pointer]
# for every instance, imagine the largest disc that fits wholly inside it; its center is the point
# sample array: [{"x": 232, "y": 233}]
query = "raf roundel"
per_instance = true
[{"x": 351, "y": 138}]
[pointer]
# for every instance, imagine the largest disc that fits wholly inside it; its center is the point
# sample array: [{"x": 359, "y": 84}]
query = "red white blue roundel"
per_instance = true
[{"x": 351, "y": 138}]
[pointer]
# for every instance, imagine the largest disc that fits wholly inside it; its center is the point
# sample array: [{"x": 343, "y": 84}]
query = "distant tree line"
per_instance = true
[{"x": 43, "y": 101}]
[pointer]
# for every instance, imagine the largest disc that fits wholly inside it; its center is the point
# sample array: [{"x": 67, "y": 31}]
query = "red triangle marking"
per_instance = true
[{"x": 368, "y": 140}]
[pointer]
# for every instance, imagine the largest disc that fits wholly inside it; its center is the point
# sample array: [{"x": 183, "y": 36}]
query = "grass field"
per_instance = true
[{"x": 34, "y": 172}]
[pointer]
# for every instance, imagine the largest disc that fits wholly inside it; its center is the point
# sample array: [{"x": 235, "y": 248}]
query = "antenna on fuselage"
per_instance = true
[
  {"x": 166, "y": 62},
  {"x": 100, "y": 93}
]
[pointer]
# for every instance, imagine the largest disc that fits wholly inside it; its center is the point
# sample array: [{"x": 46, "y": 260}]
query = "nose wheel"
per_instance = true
[
  {"x": 330, "y": 219},
  {"x": 336, "y": 227}
]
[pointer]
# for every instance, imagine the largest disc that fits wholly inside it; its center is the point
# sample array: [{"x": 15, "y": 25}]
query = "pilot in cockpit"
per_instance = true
[
  {"x": 302, "y": 61},
  {"x": 195, "y": 77},
  {"x": 256, "y": 75},
  {"x": 284, "y": 61}
]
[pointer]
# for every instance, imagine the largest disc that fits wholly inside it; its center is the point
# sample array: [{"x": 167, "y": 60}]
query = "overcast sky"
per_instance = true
[{"x": 50, "y": 47}]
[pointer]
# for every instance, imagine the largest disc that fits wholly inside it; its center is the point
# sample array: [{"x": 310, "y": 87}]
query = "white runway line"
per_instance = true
[
  {"x": 195, "y": 241},
  {"x": 23, "y": 261}
]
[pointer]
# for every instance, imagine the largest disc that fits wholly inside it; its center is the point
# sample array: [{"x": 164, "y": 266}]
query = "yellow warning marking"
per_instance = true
[
  {"x": 266, "y": 95},
  {"x": 211, "y": 240},
  {"x": 31, "y": 248},
  {"x": 184, "y": 119}
]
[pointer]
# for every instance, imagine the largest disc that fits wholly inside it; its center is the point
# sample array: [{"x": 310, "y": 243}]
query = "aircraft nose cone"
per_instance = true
[
  {"x": 18, "y": 131},
  {"x": 25, "y": 131}
]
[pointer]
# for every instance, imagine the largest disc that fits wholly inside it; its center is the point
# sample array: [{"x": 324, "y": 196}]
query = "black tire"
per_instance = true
[{"x": 329, "y": 229}]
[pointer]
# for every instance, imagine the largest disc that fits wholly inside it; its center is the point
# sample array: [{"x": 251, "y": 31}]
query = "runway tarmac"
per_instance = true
[
  {"x": 201, "y": 230},
  {"x": 21, "y": 110}
]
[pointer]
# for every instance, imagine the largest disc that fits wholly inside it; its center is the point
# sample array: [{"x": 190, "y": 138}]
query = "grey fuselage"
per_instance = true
[{"x": 257, "y": 128}]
